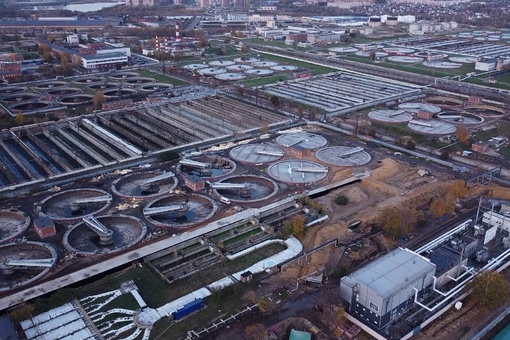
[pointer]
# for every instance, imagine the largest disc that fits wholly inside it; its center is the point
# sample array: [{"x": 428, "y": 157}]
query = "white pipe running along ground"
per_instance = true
[{"x": 441, "y": 239}]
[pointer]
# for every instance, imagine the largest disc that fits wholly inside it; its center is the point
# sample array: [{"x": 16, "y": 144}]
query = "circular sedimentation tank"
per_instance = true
[
  {"x": 14, "y": 275},
  {"x": 485, "y": 109},
  {"x": 126, "y": 231},
  {"x": 63, "y": 91},
  {"x": 140, "y": 186},
  {"x": 459, "y": 117},
  {"x": 221, "y": 63},
  {"x": 420, "y": 107},
  {"x": 259, "y": 72},
  {"x": 264, "y": 63},
  {"x": 343, "y": 49},
  {"x": 76, "y": 99},
  {"x": 123, "y": 75},
  {"x": 246, "y": 60},
  {"x": 398, "y": 50},
  {"x": 211, "y": 71},
  {"x": 442, "y": 64},
  {"x": 89, "y": 80},
  {"x": 405, "y": 59},
  {"x": 139, "y": 80},
  {"x": 284, "y": 68},
  {"x": 239, "y": 68},
  {"x": 250, "y": 188},
  {"x": 217, "y": 167},
  {"x": 119, "y": 92},
  {"x": 378, "y": 54},
  {"x": 390, "y": 116},
  {"x": 50, "y": 85},
  {"x": 14, "y": 223},
  {"x": 304, "y": 140},
  {"x": 195, "y": 66},
  {"x": 256, "y": 153},
  {"x": 72, "y": 205},
  {"x": 30, "y": 106},
  {"x": 431, "y": 127},
  {"x": 104, "y": 86},
  {"x": 8, "y": 90},
  {"x": 20, "y": 97},
  {"x": 297, "y": 171},
  {"x": 186, "y": 210},
  {"x": 156, "y": 87},
  {"x": 444, "y": 100},
  {"x": 343, "y": 156},
  {"x": 230, "y": 76}
]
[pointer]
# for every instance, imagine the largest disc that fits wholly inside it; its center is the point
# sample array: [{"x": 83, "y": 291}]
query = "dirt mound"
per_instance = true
[
  {"x": 356, "y": 195},
  {"x": 388, "y": 168}
]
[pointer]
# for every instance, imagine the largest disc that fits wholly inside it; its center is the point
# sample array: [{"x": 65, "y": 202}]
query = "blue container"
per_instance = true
[{"x": 188, "y": 309}]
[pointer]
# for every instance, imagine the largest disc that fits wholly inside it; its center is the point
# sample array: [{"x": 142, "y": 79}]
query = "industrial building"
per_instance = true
[{"x": 384, "y": 289}]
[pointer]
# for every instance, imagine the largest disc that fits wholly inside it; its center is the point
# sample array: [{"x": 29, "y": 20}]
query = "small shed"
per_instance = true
[
  {"x": 44, "y": 227},
  {"x": 246, "y": 276}
]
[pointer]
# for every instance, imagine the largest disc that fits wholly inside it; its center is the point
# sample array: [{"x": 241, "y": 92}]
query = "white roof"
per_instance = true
[{"x": 391, "y": 272}]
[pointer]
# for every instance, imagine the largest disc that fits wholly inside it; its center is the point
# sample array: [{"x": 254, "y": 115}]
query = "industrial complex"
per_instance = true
[{"x": 251, "y": 175}]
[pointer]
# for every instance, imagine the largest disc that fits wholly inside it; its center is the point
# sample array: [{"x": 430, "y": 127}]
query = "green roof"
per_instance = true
[{"x": 299, "y": 335}]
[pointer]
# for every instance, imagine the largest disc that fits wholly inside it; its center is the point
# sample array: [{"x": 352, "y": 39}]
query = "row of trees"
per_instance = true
[{"x": 401, "y": 220}]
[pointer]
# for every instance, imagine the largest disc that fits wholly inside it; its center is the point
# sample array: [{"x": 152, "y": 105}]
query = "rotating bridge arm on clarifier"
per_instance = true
[
  {"x": 230, "y": 185},
  {"x": 194, "y": 164},
  {"x": 105, "y": 198},
  {"x": 97, "y": 226},
  {"x": 164, "y": 209},
  {"x": 269, "y": 153},
  {"x": 316, "y": 170},
  {"x": 350, "y": 152},
  {"x": 159, "y": 177},
  {"x": 297, "y": 141},
  {"x": 419, "y": 123},
  {"x": 31, "y": 263}
]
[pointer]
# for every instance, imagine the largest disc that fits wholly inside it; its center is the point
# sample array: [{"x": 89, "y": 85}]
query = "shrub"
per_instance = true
[{"x": 341, "y": 200}]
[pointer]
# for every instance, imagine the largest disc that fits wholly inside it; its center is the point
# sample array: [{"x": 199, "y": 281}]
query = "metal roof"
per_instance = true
[{"x": 393, "y": 271}]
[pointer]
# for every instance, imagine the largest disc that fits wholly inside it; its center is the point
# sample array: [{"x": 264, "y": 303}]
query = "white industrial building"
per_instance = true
[
  {"x": 486, "y": 65},
  {"x": 385, "y": 289},
  {"x": 105, "y": 61}
]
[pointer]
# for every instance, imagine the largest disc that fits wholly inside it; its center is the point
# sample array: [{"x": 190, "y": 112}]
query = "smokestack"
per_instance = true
[{"x": 177, "y": 33}]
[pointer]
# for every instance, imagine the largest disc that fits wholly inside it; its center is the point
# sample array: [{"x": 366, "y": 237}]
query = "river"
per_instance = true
[{"x": 90, "y": 7}]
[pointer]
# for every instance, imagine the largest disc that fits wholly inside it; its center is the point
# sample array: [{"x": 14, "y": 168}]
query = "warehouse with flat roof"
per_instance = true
[{"x": 383, "y": 290}]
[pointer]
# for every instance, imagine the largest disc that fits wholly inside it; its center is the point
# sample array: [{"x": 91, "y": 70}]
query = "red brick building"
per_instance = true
[
  {"x": 299, "y": 151},
  {"x": 480, "y": 147},
  {"x": 44, "y": 227},
  {"x": 425, "y": 115},
  {"x": 10, "y": 70},
  {"x": 194, "y": 182}
]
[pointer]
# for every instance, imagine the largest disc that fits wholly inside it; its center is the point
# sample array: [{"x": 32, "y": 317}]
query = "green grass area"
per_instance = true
[
  {"x": 149, "y": 285},
  {"x": 219, "y": 304},
  {"x": 501, "y": 128},
  {"x": 398, "y": 131},
  {"x": 215, "y": 272},
  {"x": 266, "y": 80},
  {"x": 242, "y": 236},
  {"x": 153, "y": 289},
  {"x": 162, "y": 78}
]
